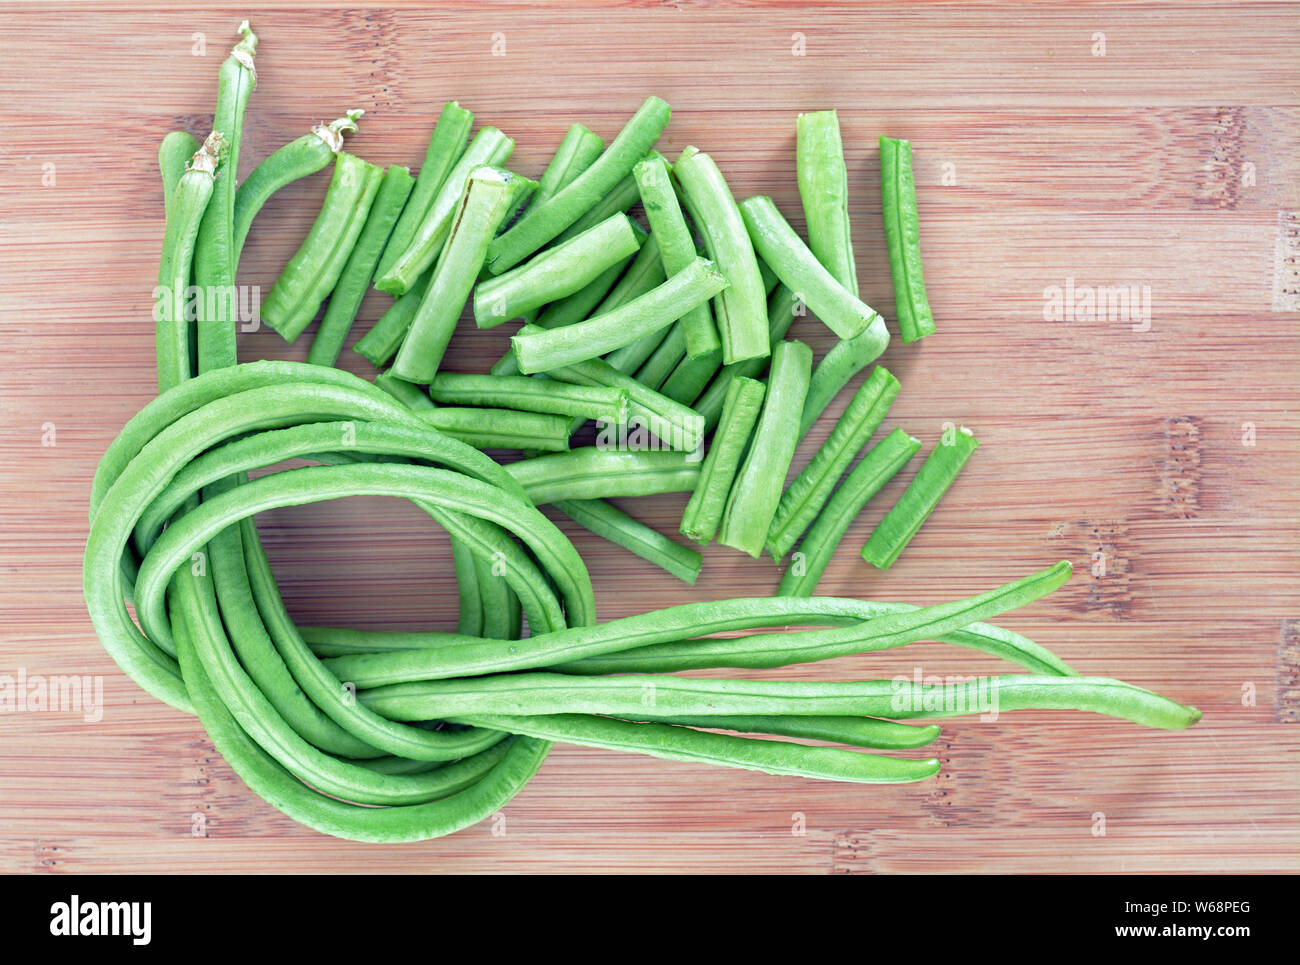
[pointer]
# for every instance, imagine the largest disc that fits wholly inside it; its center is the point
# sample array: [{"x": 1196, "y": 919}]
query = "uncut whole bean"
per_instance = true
[{"x": 394, "y": 737}]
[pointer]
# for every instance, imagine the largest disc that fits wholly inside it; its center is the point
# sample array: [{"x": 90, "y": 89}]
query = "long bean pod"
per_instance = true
[
  {"x": 345, "y": 299},
  {"x": 555, "y": 272},
  {"x": 483, "y": 209},
  {"x": 902, "y": 239},
  {"x": 804, "y": 498},
  {"x": 757, "y": 490},
  {"x": 905, "y": 518},
  {"x": 741, "y": 311},
  {"x": 676, "y": 247},
  {"x": 875, "y": 469},
  {"x": 531, "y": 395},
  {"x": 490, "y": 147},
  {"x": 542, "y": 349},
  {"x": 705, "y": 508},
  {"x": 298, "y": 159},
  {"x": 446, "y": 146},
  {"x": 545, "y": 221},
  {"x": 609, "y": 522}
]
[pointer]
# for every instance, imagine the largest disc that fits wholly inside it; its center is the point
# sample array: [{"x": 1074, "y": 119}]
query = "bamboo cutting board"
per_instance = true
[{"x": 1057, "y": 147}]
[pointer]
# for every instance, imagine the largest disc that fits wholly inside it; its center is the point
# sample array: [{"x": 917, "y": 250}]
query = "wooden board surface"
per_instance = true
[{"x": 1168, "y": 160}]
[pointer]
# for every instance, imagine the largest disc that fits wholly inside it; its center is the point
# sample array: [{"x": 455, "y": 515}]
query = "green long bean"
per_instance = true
[
  {"x": 490, "y": 147},
  {"x": 803, "y": 500},
  {"x": 298, "y": 159},
  {"x": 486, "y": 201},
  {"x": 531, "y": 395},
  {"x": 589, "y": 472},
  {"x": 446, "y": 146},
  {"x": 684, "y": 744},
  {"x": 555, "y": 272},
  {"x": 189, "y": 199},
  {"x": 875, "y": 469},
  {"x": 385, "y": 337},
  {"x": 757, "y": 489},
  {"x": 545, "y": 221},
  {"x": 676, "y": 247},
  {"x": 902, "y": 239},
  {"x": 543, "y": 349},
  {"x": 345, "y": 300},
  {"x": 704, "y": 510},
  {"x": 741, "y": 311},
  {"x": 784, "y": 252},
  {"x": 315, "y": 268},
  {"x": 215, "y": 254},
  {"x": 870, "y": 732},
  {"x": 824, "y": 191},
  {"x": 609, "y": 522},
  {"x": 905, "y": 518}
]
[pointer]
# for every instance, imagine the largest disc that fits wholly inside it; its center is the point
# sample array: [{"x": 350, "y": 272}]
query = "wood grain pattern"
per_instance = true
[{"x": 1170, "y": 455}]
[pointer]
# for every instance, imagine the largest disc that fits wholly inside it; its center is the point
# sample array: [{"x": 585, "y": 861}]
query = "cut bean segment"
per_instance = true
[
  {"x": 824, "y": 190},
  {"x": 541, "y": 350},
  {"x": 313, "y": 271},
  {"x": 545, "y": 221},
  {"x": 554, "y": 273},
  {"x": 577, "y": 152},
  {"x": 446, "y": 145},
  {"x": 672, "y": 423},
  {"x": 593, "y": 473},
  {"x": 486, "y": 202},
  {"x": 799, "y": 270},
  {"x": 802, "y": 502},
  {"x": 297, "y": 159},
  {"x": 741, "y": 311},
  {"x": 937, "y": 473},
  {"x": 845, "y": 359},
  {"x": 609, "y": 522},
  {"x": 902, "y": 238},
  {"x": 875, "y": 469},
  {"x": 782, "y": 309},
  {"x": 531, "y": 395},
  {"x": 676, "y": 247},
  {"x": 489, "y": 148},
  {"x": 757, "y": 490},
  {"x": 704, "y": 511},
  {"x": 383, "y": 340},
  {"x": 345, "y": 300}
]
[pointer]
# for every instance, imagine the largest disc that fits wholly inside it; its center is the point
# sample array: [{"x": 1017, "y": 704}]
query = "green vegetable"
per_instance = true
[
  {"x": 799, "y": 270},
  {"x": 446, "y": 146},
  {"x": 532, "y": 395},
  {"x": 902, "y": 238},
  {"x": 845, "y": 359},
  {"x": 215, "y": 252},
  {"x": 741, "y": 310},
  {"x": 875, "y": 469},
  {"x": 541, "y": 350},
  {"x": 299, "y": 158},
  {"x": 545, "y": 221},
  {"x": 611, "y": 523},
  {"x": 802, "y": 502},
  {"x": 592, "y": 473},
  {"x": 489, "y": 148},
  {"x": 385, "y": 337},
  {"x": 704, "y": 511},
  {"x": 824, "y": 190},
  {"x": 757, "y": 490},
  {"x": 345, "y": 300},
  {"x": 185, "y": 207},
  {"x": 577, "y": 152},
  {"x": 487, "y": 199},
  {"x": 554, "y": 273},
  {"x": 315, "y": 268},
  {"x": 676, "y": 247},
  {"x": 902, "y": 522}
]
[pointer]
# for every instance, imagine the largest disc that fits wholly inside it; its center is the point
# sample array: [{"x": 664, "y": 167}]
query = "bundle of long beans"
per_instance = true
[{"x": 383, "y": 736}]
